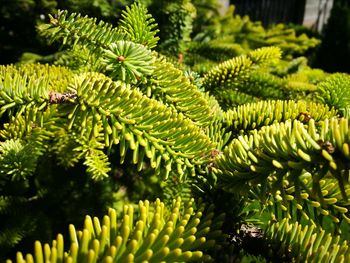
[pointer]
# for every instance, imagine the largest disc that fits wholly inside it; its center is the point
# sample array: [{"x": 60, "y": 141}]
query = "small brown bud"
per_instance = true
[
  {"x": 56, "y": 97},
  {"x": 214, "y": 153},
  {"x": 305, "y": 116},
  {"x": 180, "y": 58},
  {"x": 121, "y": 58},
  {"x": 326, "y": 145}
]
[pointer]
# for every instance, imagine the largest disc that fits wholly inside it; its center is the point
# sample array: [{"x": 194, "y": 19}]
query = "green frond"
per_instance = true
[
  {"x": 171, "y": 84},
  {"x": 154, "y": 234},
  {"x": 287, "y": 146},
  {"x": 147, "y": 127},
  {"x": 17, "y": 160},
  {"x": 139, "y": 26},
  {"x": 299, "y": 82},
  {"x": 33, "y": 131},
  {"x": 73, "y": 29},
  {"x": 97, "y": 164},
  {"x": 299, "y": 86},
  {"x": 272, "y": 161},
  {"x": 335, "y": 91},
  {"x": 255, "y": 115},
  {"x": 21, "y": 91},
  {"x": 96, "y": 160},
  {"x": 229, "y": 72},
  {"x": 265, "y": 55},
  {"x": 107, "y": 107},
  {"x": 106, "y": 48},
  {"x": 299, "y": 202},
  {"x": 58, "y": 77},
  {"x": 33, "y": 125},
  {"x": 128, "y": 61},
  {"x": 306, "y": 243}
]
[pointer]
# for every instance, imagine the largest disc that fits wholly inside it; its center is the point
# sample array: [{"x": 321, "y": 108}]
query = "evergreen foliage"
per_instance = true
[
  {"x": 156, "y": 234},
  {"x": 254, "y": 141}
]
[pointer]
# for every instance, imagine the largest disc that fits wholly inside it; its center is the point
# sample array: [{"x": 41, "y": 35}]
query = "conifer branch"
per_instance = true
[
  {"x": 139, "y": 26},
  {"x": 17, "y": 161},
  {"x": 155, "y": 235},
  {"x": 306, "y": 243},
  {"x": 229, "y": 73},
  {"x": 177, "y": 90},
  {"x": 335, "y": 91},
  {"x": 272, "y": 160},
  {"x": 73, "y": 29},
  {"x": 146, "y": 126},
  {"x": 255, "y": 115}
]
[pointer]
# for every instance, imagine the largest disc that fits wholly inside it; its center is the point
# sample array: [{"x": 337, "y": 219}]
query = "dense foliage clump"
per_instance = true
[{"x": 237, "y": 149}]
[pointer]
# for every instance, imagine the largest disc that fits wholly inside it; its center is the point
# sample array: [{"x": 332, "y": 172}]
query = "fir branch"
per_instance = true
[
  {"x": 177, "y": 90},
  {"x": 228, "y": 73},
  {"x": 300, "y": 203},
  {"x": 97, "y": 164},
  {"x": 335, "y": 91},
  {"x": 58, "y": 77},
  {"x": 306, "y": 243},
  {"x": 287, "y": 146},
  {"x": 139, "y": 26},
  {"x": 218, "y": 133},
  {"x": 274, "y": 158},
  {"x": 264, "y": 55},
  {"x": 17, "y": 160},
  {"x": 29, "y": 87},
  {"x": 255, "y": 115},
  {"x": 156, "y": 234},
  {"x": 66, "y": 147},
  {"x": 73, "y": 29},
  {"x": 96, "y": 160},
  {"x": 19, "y": 92},
  {"x": 147, "y": 127}
]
